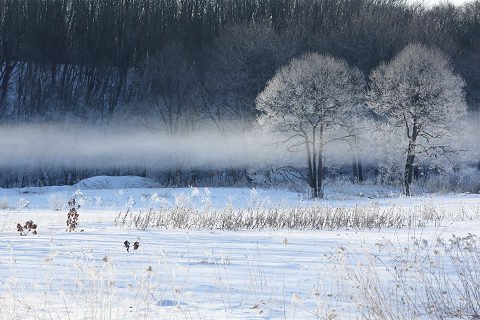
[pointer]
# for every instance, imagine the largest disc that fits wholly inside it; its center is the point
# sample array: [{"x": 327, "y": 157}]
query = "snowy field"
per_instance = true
[{"x": 339, "y": 272}]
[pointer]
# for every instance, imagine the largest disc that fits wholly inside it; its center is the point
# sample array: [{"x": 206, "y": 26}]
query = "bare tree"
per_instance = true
[
  {"x": 419, "y": 93},
  {"x": 304, "y": 102}
]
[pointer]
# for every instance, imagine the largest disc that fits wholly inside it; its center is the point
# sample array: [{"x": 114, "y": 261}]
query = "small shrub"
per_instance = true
[
  {"x": 22, "y": 203},
  {"x": 463, "y": 180},
  {"x": 28, "y": 227},
  {"x": 72, "y": 215},
  {"x": 98, "y": 201},
  {"x": 131, "y": 202},
  {"x": 4, "y": 203},
  {"x": 56, "y": 201}
]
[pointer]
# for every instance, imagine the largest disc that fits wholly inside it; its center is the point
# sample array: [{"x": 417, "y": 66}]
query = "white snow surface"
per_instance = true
[{"x": 189, "y": 274}]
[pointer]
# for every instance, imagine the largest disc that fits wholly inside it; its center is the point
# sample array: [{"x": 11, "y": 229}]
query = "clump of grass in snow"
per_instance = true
[
  {"x": 427, "y": 280},
  {"x": 260, "y": 214},
  {"x": 56, "y": 201},
  {"x": 299, "y": 218},
  {"x": 4, "y": 203}
]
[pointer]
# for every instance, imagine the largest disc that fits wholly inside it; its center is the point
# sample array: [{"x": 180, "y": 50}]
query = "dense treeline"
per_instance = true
[
  {"x": 85, "y": 57},
  {"x": 174, "y": 65}
]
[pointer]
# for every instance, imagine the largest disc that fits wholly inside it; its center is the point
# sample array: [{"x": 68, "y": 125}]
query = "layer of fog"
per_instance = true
[
  {"x": 113, "y": 147},
  {"x": 78, "y": 146}
]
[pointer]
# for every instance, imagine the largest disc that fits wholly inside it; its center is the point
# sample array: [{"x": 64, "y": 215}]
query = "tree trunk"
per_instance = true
[
  {"x": 320, "y": 172},
  {"x": 310, "y": 176},
  {"x": 320, "y": 163},
  {"x": 360, "y": 169},
  {"x": 354, "y": 168},
  {"x": 358, "y": 160},
  {"x": 314, "y": 167},
  {"x": 416, "y": 172},
  {"x": 409, "y": 166}
]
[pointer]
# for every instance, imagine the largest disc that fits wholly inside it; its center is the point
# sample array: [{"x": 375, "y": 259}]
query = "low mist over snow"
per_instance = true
[{"x": 86, "y": 146}]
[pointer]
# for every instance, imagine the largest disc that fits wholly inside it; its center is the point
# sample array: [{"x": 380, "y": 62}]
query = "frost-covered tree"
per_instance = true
[
  {"x": 418, "y": 93},
  {"x": 305, "y": 102}
]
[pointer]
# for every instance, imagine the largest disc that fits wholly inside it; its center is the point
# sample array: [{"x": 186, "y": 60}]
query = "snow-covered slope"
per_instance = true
[{"x": 109, "y": 182}]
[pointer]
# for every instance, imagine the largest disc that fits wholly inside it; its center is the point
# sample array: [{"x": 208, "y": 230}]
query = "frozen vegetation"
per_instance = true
[{"x": 372, "y": 254}]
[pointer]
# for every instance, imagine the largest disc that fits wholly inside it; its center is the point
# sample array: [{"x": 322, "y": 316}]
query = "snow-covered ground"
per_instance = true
[{"x": 195, "y": 274}]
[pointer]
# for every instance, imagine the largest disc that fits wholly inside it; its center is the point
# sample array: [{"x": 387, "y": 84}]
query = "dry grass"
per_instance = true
[
  {"x": 299, "y": 218},
  {"x": 438, "y": 280}
]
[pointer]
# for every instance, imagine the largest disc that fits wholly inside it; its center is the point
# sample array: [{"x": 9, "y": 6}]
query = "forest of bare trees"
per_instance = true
[{"x": 175, "y": 66}]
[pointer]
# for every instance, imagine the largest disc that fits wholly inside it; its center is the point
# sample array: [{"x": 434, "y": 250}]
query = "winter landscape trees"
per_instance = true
[
  {"x": 419, "y": 93},
  {"x": 314, "y": 96},
  {"x": 179, "y": 67},
  {"x": 306, "y": 102}
]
